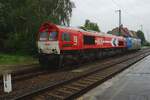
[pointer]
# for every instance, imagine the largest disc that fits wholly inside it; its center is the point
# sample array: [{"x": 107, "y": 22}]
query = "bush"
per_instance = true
[
  {"x": 146, "y": 43},
  {"x": 21, "y": 42}
]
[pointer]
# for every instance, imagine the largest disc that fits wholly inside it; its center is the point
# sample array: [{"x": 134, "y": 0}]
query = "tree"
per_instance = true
[
  {"x": 20, "y": 20},
  {"x": 90, "y": 26},
  {"x": 141, "y": 36}
]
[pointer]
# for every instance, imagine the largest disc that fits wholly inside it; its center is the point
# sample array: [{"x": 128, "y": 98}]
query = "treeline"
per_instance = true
[
  {"x": 90, "y": 26},
  {"x": 140, "y": 35},
  {"x": 20, "y": 21}
]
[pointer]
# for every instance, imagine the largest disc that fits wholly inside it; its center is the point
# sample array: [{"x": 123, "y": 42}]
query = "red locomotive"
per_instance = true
[{"x": 56, "y": 42}]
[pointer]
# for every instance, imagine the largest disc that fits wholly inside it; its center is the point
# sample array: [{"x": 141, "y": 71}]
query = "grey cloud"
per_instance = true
[{"x": 134, "y": 13}]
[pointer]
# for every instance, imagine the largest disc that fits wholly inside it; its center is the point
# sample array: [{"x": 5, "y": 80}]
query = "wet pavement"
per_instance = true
[{"x": 132, "y": 84}]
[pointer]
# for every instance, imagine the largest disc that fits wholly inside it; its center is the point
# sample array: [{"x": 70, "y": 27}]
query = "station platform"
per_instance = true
[{"x": 131, "y": 84}]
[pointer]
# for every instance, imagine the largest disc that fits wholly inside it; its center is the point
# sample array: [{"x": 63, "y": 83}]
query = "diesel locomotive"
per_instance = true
[{"x": 57, "y": 42}]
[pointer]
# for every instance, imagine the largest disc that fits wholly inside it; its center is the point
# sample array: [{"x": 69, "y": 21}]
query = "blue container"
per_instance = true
[{"x": 129, "y": 42}]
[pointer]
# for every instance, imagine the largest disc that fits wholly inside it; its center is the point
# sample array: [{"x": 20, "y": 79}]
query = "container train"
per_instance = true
[{"x": 57, "y": 42}]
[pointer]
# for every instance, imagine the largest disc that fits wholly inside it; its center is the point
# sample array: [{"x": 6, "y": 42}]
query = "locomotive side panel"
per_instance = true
[
  {"x": 70, "y": 40},
  {"x": 109, "y": 42}
]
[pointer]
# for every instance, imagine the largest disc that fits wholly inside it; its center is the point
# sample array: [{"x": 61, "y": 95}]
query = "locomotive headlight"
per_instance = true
[
  {"x": 54, "y": 51},
  {"x": 40, "y": 50}
]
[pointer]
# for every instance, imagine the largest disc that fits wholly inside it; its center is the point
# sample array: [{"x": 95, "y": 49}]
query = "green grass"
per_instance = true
[{"x": 16, "y": 59}]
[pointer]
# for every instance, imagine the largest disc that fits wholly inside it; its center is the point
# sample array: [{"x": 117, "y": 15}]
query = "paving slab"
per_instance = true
[{"x": 131, "y": 84}]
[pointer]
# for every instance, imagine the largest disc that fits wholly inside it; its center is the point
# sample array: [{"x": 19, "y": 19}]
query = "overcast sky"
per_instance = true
[{"x": 134, "y": 14}]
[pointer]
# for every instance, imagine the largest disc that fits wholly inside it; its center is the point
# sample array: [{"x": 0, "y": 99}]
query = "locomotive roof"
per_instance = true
[
  {"x": 74, "y": 29},
  {"x": 71, "y": 28},
  {"x": 88, "y": 32}
]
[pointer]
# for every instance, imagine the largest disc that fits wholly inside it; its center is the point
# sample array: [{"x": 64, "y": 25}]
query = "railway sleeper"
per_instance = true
[
  {"x": 56, "y": 94},
  {"x": 105, "y": 74},
  {"x": 94, "y": 78},
  {"x": 98, "y": 75},
  {"x": 72, "y": 87},
  {"x": 39, "y": 97},
  {"x": 80, "y": 84},
  {"x": 64, "y": 91},
  {"x": 48, "y": 97},
  {"x": 59, "y": 93},
  {"x": 86, "y": 82},
  {"x": 67, "y": 89}
]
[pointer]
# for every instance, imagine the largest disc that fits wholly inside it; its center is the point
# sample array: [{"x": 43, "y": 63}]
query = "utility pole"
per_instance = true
[
  {"x": 119, "y": 20},
  {"x": 141, "y": 27}
]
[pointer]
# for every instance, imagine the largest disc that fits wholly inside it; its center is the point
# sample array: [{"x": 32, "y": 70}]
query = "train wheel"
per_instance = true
[
  {"x": 50, "y": 61},
  {"x": 79, "y": 59}
]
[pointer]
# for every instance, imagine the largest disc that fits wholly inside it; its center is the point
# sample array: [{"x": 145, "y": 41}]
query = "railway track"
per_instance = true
[
  {"x": 73, "y": 88},
  {"x": 72, "y": 84},
  {"x": 33, "y": 71}
]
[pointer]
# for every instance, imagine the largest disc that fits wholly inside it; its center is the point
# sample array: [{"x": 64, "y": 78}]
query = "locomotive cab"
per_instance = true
[{"x": 48, "y": 40}]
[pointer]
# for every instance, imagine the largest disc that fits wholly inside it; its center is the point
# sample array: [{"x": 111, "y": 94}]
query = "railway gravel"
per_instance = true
[{"x": 27, "y": 86}]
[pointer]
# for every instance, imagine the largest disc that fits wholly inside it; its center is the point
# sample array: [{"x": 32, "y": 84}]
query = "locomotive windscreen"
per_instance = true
[
  {"x": 89, "y": 40},
  {"x": 43, "y": 36},
  {"x": 53, "y": 36}
]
